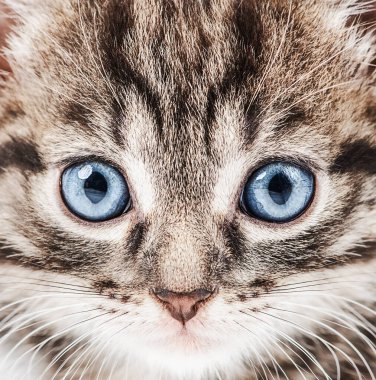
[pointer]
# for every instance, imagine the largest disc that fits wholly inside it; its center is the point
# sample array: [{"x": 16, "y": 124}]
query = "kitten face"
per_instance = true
[{"x": 187, "y": 101}]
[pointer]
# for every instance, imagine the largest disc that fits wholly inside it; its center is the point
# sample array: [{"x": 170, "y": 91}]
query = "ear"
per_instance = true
[
  {"x": 5, "y": 24},
  {"x": 366, "y": 20}
]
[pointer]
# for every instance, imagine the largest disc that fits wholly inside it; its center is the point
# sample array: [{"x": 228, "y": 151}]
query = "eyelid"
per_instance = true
[
  {"x": 80, "y": 159},
  {"x": 303, "y": 161}
]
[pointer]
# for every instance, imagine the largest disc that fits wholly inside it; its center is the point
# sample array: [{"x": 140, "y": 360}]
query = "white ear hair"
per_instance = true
[
  {"x": 32, "y": 15},
  {"x": 5, "y": 23},
  {"x": 28, "y": 17},
  {"x": 356, "y": 21}
]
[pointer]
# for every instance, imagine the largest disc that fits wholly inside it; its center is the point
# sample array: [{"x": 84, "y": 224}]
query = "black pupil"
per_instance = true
[
  {"x": 96, "y": 187},
  {"x": 280, "y": 188}
]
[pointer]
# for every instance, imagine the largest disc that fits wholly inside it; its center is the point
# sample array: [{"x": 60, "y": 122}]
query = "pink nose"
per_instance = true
[{"x": 183, "y": 306}]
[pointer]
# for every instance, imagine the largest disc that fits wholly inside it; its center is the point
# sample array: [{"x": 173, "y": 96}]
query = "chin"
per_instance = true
[
  {"x": 200, "y": 349},
  {"x": 185, "y": 358}
]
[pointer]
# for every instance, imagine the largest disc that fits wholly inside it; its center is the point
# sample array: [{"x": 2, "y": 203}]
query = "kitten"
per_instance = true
[{"x": 188, "y": 190}]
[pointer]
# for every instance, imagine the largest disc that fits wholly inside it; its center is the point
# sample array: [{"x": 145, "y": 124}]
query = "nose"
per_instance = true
[{"x": 183, "y": 306}]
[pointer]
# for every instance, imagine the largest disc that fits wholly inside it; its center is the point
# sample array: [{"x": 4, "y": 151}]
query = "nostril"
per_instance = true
[
  {"x": 202, "y": 294},
  {"x": 196, "y": 295},
  {"x": 163, "y": 294},
  {"x": 183, "y": 306}
]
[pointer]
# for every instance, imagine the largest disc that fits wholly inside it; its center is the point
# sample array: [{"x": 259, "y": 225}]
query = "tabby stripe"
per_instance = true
[
  {"x": 135, "y": 239},
  {"x": 234, "y": 240},
  {"x": 22, "y": 154},
  {"x": 356, "y": 156}
]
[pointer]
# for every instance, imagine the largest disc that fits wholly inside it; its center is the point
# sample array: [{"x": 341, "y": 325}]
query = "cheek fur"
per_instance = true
[{"x": 186, "y": 99}]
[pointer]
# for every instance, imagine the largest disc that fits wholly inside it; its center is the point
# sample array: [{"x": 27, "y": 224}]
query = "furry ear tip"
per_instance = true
[{"x": 5, "y": 25}]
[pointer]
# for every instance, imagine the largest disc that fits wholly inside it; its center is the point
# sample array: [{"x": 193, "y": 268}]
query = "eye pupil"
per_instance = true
[
  {"x": 277, "y": 192},
  {"x": 96, "y": 187},
  {"x": 280, "y": 188},
  {"x": 95, "y": 191}
]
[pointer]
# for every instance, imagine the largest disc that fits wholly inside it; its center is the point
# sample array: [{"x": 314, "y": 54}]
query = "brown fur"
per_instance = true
[{"x": 188, "y": 99}]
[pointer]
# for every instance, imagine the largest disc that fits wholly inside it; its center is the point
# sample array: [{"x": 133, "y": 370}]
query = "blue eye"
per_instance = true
[
  {"x": 278, "y": 192},
  {"x": 94, "y": 191}
]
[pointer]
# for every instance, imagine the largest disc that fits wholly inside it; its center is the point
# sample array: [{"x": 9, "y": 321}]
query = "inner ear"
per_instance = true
[
  {"x": 5, "y": 24},
  {"x": 366, "y": 20},
  {"x": 369, "y": 22}
]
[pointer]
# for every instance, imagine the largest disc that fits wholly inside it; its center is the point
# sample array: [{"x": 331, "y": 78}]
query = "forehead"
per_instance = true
[{"x": 187, "y": 87}]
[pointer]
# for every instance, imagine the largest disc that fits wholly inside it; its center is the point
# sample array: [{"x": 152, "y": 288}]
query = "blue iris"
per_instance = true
[
  {"x": 94, "y": 191},
  {"x": 278, "y": 192}
]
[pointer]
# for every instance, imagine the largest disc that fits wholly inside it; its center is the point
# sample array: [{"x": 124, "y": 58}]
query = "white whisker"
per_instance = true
[
  {"x": 44, "y": 326},
  {"x": 327, "y": 344}
]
